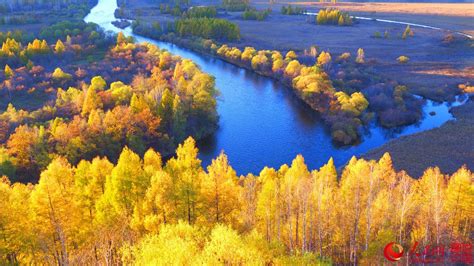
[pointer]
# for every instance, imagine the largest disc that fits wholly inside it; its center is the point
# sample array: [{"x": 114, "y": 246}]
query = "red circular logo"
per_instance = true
[{"x": 391, "y": 254}]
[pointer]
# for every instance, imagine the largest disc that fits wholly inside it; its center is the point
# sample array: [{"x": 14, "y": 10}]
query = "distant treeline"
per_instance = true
[
  {"x": 208, "y": 28},
  {"x": 18, "y": 20},
  {"x": 18, "y": 5}
]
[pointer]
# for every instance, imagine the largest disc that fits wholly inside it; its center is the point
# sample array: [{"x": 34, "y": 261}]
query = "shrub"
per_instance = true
[
  {"x": 201, "y": 12},
  {"x": 59, "y": 74},
  {"x": 235, "y": 5},
  {"x": 344, "y": 57},
  {"x": 252, "y": 14},
  {"x": 403, "y": 59},
  {"x": 407, "y": 33},
  {"x": 360, "y": 56},
  {"x": 289, "y": 10}
]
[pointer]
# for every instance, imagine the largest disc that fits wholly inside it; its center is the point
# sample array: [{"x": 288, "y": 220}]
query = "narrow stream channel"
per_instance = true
[{"x": 261, "y": 122}]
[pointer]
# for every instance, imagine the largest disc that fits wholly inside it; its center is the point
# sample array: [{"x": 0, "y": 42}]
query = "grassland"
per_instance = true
[{"x": 443, "y": 9}]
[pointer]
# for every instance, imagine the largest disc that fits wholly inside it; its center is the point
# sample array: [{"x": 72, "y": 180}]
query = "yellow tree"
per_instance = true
[
  {"x": 89, "y": 182},
  {"x": 59, "y": 48},
  {"x": 89, "y": 187},
  {"x": 127, "y": 183},
  {"x": 157, "y": 207},
  {"x": 220, "y": 193},
  {"x": 268, "y": 204},
  {"x": 152, "y": 162},
  {"x": 277, "y": 65},
  {"x": 92, "y": 101},
  {"x": 56, "y": 218},
  {"x": 18, "y": 243},
  {"x": 360, "y": 56},
  {"x": 373, "y": 183},
  {"x": 44, "y": 47},
  {"x": 324, "y": 58},
  {"x": 459, "y": 203},
  {"x": 404, "y": 204},
  {"x": 250, "y": 190},
  {"x": 352, "y": 197},
  {"x": 248, "y": 54},
  {"x": 121, "y": 39},
  {"x": 124, "y": 190},
  {"x": 186, "y": 171},
  {"x": 293, "y": 68},
  {"x": 152, "y": 210},
  {"x": 291, "y": 55},
  {"x": 295, "y": 190},
  {"x": 323, "y": 198},
  {"x": 8, "y": 72},
  {"x": 430, "y": 221}
]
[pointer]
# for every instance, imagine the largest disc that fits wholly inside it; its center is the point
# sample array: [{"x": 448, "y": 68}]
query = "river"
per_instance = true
[{"x": 261, "y": 123}]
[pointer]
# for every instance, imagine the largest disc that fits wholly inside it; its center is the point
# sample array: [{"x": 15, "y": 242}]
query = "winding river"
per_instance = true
[{"x": 261, "y": 122}]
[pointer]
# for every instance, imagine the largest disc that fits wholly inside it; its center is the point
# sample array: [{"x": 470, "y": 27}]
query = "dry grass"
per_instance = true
[
  {"x": 445, "y": 9},
  {"x": 467, "y": 72}
]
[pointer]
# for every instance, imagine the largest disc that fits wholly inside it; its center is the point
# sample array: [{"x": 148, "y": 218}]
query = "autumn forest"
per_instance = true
[
  {"x": 116, "y": 139},
  {"x": 145, "y": 212}
]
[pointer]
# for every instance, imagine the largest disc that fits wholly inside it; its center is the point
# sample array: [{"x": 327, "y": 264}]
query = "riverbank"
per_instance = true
[
  {"x": 315, "y": 90},
  {"x": 448, "y": 147}
]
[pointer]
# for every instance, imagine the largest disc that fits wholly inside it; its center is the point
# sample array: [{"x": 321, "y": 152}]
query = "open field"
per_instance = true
[
  {"x": 444, "y": 9},
  {"x": 448, "y": 147},
  {"x": 451, "y": 16}
]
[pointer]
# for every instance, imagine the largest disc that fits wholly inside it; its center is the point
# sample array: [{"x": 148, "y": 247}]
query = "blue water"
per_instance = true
[{"x": 261, "y": 122}]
